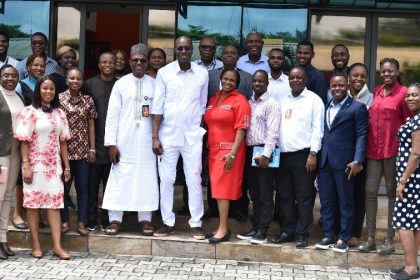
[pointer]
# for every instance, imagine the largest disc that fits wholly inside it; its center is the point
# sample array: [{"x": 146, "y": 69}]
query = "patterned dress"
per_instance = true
[
  {"x": 43, "y": 131},
  {"x": 407, "y": 212}
]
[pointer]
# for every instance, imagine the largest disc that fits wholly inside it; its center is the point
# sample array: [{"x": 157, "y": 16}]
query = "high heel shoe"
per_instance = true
[
  {"x": 215, "y": 240},
  {"x": 37, "y": 254},
  {"x": 62, "y": 256}
]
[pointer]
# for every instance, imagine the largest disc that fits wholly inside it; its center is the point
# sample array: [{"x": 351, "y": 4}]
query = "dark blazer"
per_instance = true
[
  {"x": 346, "y": 140},
  {"x": 245, "y": 87}
]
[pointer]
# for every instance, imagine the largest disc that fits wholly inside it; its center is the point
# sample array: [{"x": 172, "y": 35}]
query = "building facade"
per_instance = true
[{"x": 372, "y": 29}]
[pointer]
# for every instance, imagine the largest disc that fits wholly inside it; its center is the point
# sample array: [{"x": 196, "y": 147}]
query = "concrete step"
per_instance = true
[{"x": 181, "y": 244}]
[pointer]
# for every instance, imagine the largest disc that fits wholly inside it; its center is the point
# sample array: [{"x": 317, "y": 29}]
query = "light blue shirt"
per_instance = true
[
  {"x": 244, "y": 63},
  {"x": 30, "y": 81},
  {"x": 333, "y": 110}
]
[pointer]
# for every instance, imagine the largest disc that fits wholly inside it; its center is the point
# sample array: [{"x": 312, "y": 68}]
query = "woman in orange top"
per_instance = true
[{"x": 227, "y": 118}]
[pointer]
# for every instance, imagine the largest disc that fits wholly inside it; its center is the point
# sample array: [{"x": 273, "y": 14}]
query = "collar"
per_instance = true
[
  {"x": 261, "y": 60},
  {"x": 282, "y": 78},
  {"x": 262, "y": 98},
  {"x": 362, "y": 93},
  {"x": 200, "y": 62},
  {"x": 304, "y": 93},
  {"x": 394, "y": 90},
  {"x": 335, "y": 71},
  {"x": 339, "y": 104},
  {"x": 178, "y": 68}
]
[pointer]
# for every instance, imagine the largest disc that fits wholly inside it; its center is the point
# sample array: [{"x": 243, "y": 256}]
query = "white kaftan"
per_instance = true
[{"x": 132, "y": 183}]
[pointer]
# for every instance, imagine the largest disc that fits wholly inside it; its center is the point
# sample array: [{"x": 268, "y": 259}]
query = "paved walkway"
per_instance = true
[{"x": 102, "y": 267}]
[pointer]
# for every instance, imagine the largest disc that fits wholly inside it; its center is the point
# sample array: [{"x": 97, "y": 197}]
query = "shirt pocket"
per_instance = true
[{"x": 389, "y": 112}]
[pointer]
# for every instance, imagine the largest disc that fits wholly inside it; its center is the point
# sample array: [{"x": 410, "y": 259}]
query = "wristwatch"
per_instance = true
[
  {"x": 357, "y": 162},
  {"x": 312, "y": 153}
]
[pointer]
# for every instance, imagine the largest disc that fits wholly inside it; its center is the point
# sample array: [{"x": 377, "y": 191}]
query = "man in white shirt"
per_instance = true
[
  {"x": 4, "y": 47},
  {"x": 254, "y": 60},
  {"x": 179, "y": 103},
  {"x": 301, "y": 131},
  {"x": 278, "y": 81},
  {"x": 132, "y": 183}
]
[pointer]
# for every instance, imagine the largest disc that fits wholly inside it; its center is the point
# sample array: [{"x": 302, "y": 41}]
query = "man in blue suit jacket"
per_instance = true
[{"x": 341, "y": 158}]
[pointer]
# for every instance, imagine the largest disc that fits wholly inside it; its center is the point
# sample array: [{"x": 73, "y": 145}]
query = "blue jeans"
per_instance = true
[{"x": 79, "y": 170}]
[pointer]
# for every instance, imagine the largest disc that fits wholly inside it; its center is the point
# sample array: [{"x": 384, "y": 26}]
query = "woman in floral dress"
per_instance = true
[{"x": 43, "y": 131}]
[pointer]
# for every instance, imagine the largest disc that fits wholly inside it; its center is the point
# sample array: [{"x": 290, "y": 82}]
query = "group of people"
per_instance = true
[{"x": 236, "y": 118}]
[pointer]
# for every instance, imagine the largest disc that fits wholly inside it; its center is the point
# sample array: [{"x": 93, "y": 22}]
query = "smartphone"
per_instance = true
[{"x": 347, "y": 171}]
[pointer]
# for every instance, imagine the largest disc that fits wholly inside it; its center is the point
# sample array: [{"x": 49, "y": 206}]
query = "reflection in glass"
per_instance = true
[
  {"x": 68, "y": 27},
  {"x": 400, "y": 38},
  {"x": 288, "y": 30},
  {"x": 161, "y": 31},
  {"x": 22, "y": 18},
  {"x": 223, "y": 23},
  {"x": 326, "y": 31}
]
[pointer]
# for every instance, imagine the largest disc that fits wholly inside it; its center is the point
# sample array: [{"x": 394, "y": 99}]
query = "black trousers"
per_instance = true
[
  {"x": 261, "y": 187},
  {"x": 297, "y": 193},
  {"x": 98, "y": 173}
]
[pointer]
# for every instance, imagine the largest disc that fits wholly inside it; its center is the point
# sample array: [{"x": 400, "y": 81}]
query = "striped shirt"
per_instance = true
[{"x": 265, "y": 123}]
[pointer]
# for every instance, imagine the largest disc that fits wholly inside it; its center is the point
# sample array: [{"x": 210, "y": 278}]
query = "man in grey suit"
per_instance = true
[{"x": 230, "y": 56}]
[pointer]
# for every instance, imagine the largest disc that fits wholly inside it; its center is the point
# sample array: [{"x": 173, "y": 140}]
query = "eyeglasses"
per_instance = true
[
  {"x": 183, "y": 48},
  {"x": 137, "y": 60},
  {"x": 207, "y": 47},
  {"x": 39, "y": 43},
  {"x": 9, "y": 76}
]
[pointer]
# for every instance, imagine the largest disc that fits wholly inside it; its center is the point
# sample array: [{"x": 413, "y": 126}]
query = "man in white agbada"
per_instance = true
[
  {"x": 132, "y": 183},
  {"x": 178, "y": 107}
]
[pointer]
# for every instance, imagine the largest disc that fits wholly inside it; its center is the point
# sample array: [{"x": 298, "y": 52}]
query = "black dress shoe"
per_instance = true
[
  {"x": 5, "y": 247},
  {"x": 282, "y": 238},
  {"x": 247, "y": 235},
  {"x": 302, "y": 241},
  {"x": 215, "y": 240},
  {"x": 19, "y": 226},
  {"x": 3, "y": 255},
  {"x": 184, "y": 210}
]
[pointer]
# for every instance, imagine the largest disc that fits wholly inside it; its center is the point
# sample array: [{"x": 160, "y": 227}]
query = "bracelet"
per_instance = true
[
  {"x": 67, "y": 169},
  {"x": 92, "y": 150},
  {"x": 25, "y": 160}
]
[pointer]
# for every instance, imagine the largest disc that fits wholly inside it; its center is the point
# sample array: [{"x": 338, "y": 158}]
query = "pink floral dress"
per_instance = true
[{"x": 43, "y": 131}]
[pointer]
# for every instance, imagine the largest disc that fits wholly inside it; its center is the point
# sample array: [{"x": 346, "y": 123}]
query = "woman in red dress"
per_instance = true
[{"x": 227, "y": 118}]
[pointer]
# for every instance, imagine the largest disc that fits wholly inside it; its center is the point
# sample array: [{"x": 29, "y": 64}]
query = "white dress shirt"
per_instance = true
[
  {"x": 333, "y": 109},
  {"x": 302, "y": 122},
  {"x": 279, "y": 87},
  {"x": 181, "y": 97}
]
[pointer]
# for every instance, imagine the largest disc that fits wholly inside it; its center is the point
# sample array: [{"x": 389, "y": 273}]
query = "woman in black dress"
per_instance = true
[{"x": 406, "y": 217}]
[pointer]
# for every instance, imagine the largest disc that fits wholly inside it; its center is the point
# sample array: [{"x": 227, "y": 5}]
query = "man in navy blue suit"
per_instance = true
[{"x": 341, "y": 158}]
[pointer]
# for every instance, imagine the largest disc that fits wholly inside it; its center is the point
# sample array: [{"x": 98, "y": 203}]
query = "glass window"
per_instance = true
[
  {"x": 223, "y": 23},
  {"x": 400, "y": 38},
  {"x": 289, "y": 29},
  {"x": 22, "y": 18},
  {"x": 161, "y": 31},
  {"x": 326, "y": 31},
  {"x": 68, "y": 27}
]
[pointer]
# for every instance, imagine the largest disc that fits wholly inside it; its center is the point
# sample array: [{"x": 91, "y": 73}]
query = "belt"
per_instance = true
[{"x": 306, "y": 150}]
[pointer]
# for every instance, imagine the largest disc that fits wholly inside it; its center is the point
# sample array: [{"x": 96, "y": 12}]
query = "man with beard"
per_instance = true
[
  {"x": 4, "y": 47},
  {"x": 316, "y": 80}
]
